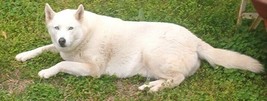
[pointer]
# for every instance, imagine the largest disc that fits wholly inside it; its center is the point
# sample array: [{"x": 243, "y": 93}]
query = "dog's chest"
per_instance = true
[{"x": 77, "y": 56}]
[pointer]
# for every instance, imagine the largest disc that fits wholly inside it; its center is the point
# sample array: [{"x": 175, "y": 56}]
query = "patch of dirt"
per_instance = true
[
  {"x": 126, "y": 89},
  {"x": 13, "y": 84}
]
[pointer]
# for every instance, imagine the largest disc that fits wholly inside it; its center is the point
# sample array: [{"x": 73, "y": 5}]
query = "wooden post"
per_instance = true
[{"x": 241, "y": 10}]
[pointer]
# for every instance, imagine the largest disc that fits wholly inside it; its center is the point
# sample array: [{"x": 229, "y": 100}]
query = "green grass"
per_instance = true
[{"x": 211, "y": 20}]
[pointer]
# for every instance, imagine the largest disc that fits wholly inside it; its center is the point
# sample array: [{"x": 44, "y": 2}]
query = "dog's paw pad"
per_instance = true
[
  {"x": 45, "y": 73},
  {"x": 154, "y": 89},
  {"x": 24, "y": 56},
  {"x": 143, "y": 87}
]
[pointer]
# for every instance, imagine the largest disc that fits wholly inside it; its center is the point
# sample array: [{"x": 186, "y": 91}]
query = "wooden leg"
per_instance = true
[
  {"x": 241, "y": 10},
  {"x": 265, "y": 23},
  {"x": 255, "y": 23}
]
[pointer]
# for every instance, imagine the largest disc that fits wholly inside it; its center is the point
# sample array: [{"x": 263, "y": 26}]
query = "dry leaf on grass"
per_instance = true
[{"x": 4, "y": 34}]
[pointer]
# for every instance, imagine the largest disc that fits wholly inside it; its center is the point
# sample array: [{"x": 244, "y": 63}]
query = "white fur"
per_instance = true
[
  {"x": 33, "y": 53},
  {"x": 100, "y": 44}
]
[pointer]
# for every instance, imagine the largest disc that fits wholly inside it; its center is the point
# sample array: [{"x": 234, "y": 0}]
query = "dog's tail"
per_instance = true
[{"x": 227, "y": 58}]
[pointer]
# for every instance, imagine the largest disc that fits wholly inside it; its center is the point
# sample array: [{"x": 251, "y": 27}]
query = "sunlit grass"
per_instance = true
[{"x": 22, "y": 22}]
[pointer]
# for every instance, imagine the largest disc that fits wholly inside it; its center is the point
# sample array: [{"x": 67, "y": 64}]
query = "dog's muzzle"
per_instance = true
[{"x": 62, "y": 42}]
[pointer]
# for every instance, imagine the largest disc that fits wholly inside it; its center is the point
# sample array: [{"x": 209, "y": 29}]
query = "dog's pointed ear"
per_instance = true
[
  {"x": 49, "y": 13},
  {"x": 79, "y": 12}
]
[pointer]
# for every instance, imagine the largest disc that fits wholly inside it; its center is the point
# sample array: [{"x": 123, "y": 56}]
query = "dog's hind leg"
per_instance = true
[
  {"x": 74, "y": 68},
  {"x": 171, "y": 70},
  {"x": 161, "y": 83},
  {"x": 33, "y": 53},
  {"x": 153, "y": 84}
]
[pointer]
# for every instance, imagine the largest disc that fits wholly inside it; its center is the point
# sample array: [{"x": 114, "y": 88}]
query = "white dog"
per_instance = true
[{"x": 92, "y": 45}]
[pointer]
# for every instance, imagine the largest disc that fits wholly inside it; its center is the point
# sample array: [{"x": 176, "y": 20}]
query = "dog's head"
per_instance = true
[{"x": 65, "y": 27}]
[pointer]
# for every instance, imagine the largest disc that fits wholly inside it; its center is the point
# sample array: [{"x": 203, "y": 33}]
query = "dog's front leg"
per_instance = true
[
  {"x": 33, "y": 53},
  {"x": 74, "y": 68}
]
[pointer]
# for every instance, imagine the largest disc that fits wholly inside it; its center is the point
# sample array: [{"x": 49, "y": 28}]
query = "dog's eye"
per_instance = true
[
  {"x": 70, "y": 28},
  {"x": 56, "y": 27}
]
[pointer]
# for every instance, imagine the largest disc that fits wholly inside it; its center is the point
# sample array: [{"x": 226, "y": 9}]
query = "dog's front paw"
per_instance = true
[
  {"x": 25, "y": 56},
  {"x": 46, "y": 73}
]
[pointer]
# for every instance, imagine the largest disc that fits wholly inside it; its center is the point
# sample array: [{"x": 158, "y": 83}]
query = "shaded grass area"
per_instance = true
[{"x": 213, "y": 21}]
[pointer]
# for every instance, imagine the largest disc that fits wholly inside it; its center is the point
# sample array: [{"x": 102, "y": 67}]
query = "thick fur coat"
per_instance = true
[{"x": 93, "y": 44}]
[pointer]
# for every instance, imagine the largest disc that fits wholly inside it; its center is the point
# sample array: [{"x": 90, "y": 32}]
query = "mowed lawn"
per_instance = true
[{"x": 22, "y": 28}]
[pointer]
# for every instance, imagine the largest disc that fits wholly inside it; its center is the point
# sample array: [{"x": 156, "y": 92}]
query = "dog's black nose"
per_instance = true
[{"x": 62, "y": 42}]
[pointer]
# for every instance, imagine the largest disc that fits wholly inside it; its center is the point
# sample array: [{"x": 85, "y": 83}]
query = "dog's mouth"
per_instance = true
[{"x": 62, "y": 45}]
